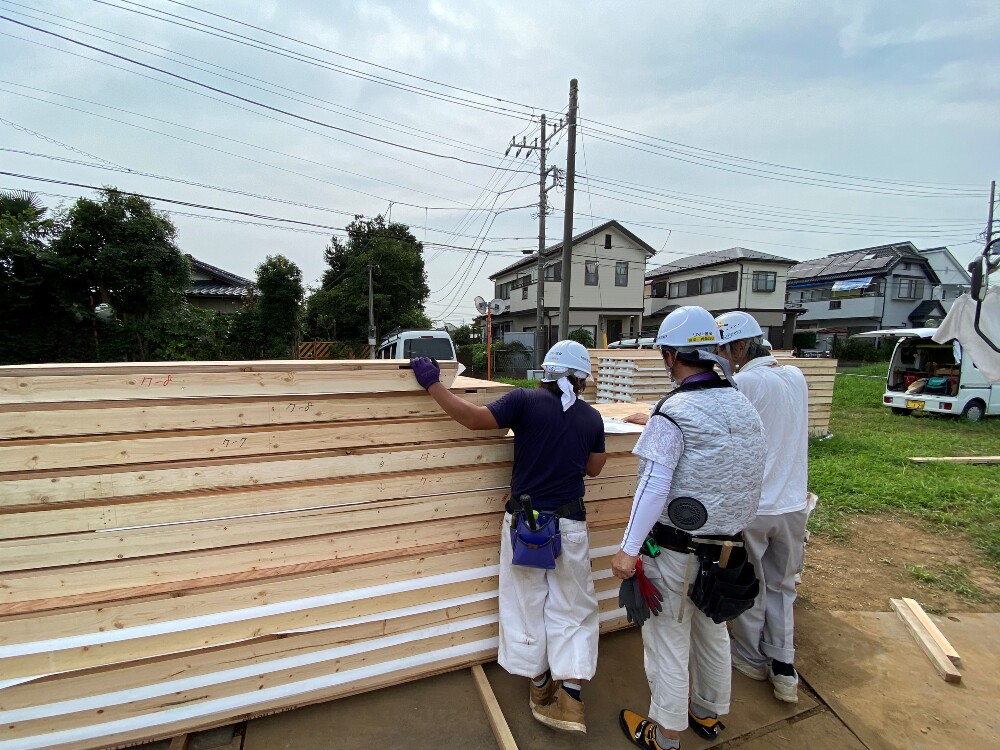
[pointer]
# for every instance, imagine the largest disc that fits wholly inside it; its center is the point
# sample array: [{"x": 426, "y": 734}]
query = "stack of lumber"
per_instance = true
[
  {"x": 185, "y": 545},
  {"x": 820, "y": 374},
  {"x": 631, "y": 375}
]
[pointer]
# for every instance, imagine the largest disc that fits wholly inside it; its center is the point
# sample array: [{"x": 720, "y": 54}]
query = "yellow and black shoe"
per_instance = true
[
  {"x": 640, "y": 730},
  {"x": 708, "y": 729}
]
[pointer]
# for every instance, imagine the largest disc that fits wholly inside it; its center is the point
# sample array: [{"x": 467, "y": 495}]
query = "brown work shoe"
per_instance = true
[
  {"x": 563, "y": 712},
  {"x": 542, "y": 696}
]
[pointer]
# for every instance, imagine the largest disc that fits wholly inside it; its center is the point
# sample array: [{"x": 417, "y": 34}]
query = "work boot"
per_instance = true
[
  {"x": 641, "y": 731},
  {"x": 542, "y": 696},
  {"x": 786, "y": 688},
  {"x": 563, "y": 712},
  {"x": 753, "y": 671},
  {"x": 708, "y": 728}
]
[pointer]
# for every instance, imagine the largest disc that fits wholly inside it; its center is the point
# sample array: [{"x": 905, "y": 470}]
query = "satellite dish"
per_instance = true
[
  {"x": 497, "y": 306},
  {"x": 481, "y": 305}
]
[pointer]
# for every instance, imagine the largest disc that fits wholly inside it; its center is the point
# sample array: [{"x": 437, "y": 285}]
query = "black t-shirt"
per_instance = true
[{"x": 551, "y": 447}]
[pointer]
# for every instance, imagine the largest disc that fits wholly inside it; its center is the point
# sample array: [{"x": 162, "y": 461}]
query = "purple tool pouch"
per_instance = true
[{"x": 539, "y": 548}]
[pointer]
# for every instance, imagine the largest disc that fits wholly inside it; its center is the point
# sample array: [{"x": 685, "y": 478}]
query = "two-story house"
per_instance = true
[
  {"x": 955, "y": 279},
  {"x": 608, "y": 267},
  {"x": 889, "y": 286},
  {"x": 723, "y": 280}
]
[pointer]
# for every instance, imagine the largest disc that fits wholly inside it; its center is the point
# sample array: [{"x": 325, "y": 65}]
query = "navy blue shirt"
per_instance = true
[{"x": 551, "y": 447}]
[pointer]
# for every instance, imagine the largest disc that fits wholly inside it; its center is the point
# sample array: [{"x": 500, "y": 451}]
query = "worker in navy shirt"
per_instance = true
[{"x": 548, "y": 618}]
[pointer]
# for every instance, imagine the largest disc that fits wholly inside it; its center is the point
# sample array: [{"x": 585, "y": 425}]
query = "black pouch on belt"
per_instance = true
[{"x": 724, "y": 594}]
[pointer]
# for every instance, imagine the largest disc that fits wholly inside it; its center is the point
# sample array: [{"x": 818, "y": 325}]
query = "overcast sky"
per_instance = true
[{"x": 905, "y": 94}]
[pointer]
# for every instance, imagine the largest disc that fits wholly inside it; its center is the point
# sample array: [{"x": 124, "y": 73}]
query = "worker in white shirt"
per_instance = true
[
  {"x": 763, "y": 644},
  {"x": 701, "y": 462}
]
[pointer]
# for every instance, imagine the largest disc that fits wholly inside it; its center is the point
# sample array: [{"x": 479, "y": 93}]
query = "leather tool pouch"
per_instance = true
[
  {"x": 724, "y": 594},
  {"x": 538, "y": 548}
]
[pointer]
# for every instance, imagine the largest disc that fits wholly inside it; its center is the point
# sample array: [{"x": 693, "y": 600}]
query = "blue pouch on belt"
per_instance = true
[{"x": 539, "y": 547}]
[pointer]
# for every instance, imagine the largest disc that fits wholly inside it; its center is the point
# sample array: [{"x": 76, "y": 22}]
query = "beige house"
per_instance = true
[
  {"x": 725, "y": 280},
  {"x": 608, "y": 268}
]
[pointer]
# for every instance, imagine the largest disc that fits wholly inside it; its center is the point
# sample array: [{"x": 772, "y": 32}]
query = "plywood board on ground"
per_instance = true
[{"x": 866, "y": 666}]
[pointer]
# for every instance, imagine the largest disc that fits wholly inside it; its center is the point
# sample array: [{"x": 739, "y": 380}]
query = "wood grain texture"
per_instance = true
[{"x": 927, "y": 644}]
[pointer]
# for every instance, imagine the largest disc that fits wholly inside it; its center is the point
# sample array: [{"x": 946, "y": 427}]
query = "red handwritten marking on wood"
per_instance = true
[{"x": 149, "y": 381}]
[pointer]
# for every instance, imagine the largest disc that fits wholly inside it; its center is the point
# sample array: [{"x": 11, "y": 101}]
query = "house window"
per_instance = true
[
  {"x": 764, "y": 281},
  {"x": 910, "y": 289},
  {"x": 590, "y": 273},
  {"x": 835, "y": 304},
  {"x": 607, "y": 242},
  {"x": 503, "y": 290},
  {"x": 729, "y": 281},
  {"x": 621, "y": 273},
  {"x": 553, "y": 271},
  {"x": 524, "y": 292},
  {"x": 675, "y": 289},
  {"x": 658, "y": 289}
]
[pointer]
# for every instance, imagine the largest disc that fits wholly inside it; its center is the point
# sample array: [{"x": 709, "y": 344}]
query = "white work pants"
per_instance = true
[
  {"x": 548, "y": 618},
  {"x": 775, "y": 546},
  {"x": 682, "y": 646}
]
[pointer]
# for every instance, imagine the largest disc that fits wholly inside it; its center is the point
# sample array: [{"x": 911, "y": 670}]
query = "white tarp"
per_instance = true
[
  {"x": 959, "y": 324},
  {"x": 848, "y": 284}
]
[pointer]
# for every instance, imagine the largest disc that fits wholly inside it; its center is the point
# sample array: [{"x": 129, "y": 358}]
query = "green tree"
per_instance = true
[
  {"x": 463, "y": 335},
  {"x": 583, "y": 336},
  {"x": 119, "y": 251},
  {"x": 37, "y": 327},
  {"x": 399, "y": 282},
  {"x": 269, "y": 325}
]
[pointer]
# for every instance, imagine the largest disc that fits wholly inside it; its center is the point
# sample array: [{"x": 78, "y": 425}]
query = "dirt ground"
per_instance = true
[{"x": 863, "y": 569}]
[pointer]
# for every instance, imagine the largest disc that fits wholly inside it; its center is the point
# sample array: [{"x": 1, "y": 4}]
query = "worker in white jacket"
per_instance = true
[{"x": 763, "y": 644}]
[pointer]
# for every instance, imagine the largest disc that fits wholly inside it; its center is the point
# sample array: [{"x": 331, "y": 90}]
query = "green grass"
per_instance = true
[
  {"x": 518, "y": 383},
  {"x": 950, "y": 577},
  {"x": 863, "y": 468}
]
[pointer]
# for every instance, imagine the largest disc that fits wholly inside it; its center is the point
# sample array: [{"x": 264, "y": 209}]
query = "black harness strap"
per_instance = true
[{"x": 571, "y": 508}]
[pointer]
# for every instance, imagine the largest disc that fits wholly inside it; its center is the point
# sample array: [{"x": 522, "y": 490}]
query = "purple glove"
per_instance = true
[{"x": 426, "y": 371}]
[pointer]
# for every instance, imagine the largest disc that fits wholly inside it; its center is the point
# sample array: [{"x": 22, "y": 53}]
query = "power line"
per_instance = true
[
  {"x": 246, "y": 41},
  {"x": 779, "y": 166},
  {"x": 461, "y": 207},
  {"x": 245, "y": 99},
  {"x": 435, "y": 137}
]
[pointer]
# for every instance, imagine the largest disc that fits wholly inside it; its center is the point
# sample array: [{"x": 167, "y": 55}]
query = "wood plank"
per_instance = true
[
  {"x": 179, "y": 742},
  {"x": 44, "y": 488},
  {"x": 929, "y": 646},
  {"x": 504, "y": 738},
  {"x": 70, "y": 453},
  {"x": 933, "y": 631},
  {"x": 156, "y": 380},
  {"x": 344, "y": 493},
  {"x": 137, "y": 415},
  {"x": 333, "y": 534},
  {"x": 956, "y": 459}
]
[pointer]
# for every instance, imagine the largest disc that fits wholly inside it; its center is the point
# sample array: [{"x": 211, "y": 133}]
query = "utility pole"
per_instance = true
[
  {"x": 540, "y": 145},
  {"x": 371, "y": 316},
  {"x": 993, "y": 200},
  {"x": 567, "y": 249}
]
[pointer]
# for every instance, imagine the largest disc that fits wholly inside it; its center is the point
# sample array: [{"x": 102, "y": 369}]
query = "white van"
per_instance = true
[
  {"x": 927, "y": 376},
  {"x": 407, "y": 344}
]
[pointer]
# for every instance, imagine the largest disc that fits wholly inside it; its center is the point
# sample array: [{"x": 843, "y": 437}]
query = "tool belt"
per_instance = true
[
  {"x": 726, "y": 584},
  {"x": 535, "y": 538}
]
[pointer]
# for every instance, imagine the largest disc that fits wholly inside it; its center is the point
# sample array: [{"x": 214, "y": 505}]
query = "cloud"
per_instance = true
[{"x": 856, "y": 39}]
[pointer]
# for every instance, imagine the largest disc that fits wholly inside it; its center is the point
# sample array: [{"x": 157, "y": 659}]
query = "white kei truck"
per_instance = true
[{"x": 925, "y": 376}]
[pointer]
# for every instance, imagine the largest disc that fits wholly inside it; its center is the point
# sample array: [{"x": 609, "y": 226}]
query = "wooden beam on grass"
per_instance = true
[
  {"x": 956, "y": 459},
  {"x": 930, "y": 647},
  {"x": 504, "y": 738}
]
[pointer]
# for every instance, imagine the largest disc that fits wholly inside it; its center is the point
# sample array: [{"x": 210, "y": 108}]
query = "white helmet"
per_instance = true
[
  {"x": 688, "y": 326},
  {"x": 568, "y": 356},
  {"x": 737, "y": 325}
]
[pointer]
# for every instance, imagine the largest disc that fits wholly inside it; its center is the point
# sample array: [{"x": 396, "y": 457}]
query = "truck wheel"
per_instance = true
[
  {"x": 974, "y": 411},
  {"x": 900, "y": 411}
]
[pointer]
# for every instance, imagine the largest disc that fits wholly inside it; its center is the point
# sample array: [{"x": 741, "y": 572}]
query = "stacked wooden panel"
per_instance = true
[
  {"x": 626, "y": 376},
  {"x": 820, "y": 374},
  {"x": 184, "y": 545},
  {"x": 631, "y": 375}
]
